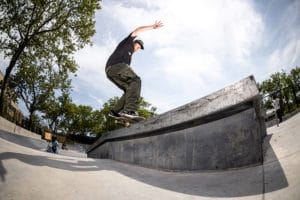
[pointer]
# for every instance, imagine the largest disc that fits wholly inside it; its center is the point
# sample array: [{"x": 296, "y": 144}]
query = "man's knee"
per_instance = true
[{"x": 137, "y": 82}]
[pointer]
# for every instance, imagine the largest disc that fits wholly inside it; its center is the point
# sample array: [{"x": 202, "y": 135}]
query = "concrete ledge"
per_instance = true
[
  {"x": 10, "y": 127},
  {"x": 220, "y": 131}
]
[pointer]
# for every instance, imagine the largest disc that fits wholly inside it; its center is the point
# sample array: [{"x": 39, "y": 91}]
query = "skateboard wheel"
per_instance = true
[
  {"x": 127, "y": 124},
  {"x": 116, "y": 121}
]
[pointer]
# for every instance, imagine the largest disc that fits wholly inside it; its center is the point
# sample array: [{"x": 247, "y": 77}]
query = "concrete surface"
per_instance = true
[
  {"x": 37, "y": 144},
  {"x": 13, "y": 128},
  {"x": 220, "y": 131},
  {"x": 231, "y": 142},
  {"x": 27, "y": 173}
]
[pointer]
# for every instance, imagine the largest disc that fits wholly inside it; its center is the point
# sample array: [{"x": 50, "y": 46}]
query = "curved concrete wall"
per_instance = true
[
  {"x": 220, "y": 131},
  {"x": 11, "y": 127}
]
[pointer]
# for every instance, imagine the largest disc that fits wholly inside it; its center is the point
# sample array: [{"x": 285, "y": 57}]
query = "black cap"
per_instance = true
[{"x": 140, "y": 42}]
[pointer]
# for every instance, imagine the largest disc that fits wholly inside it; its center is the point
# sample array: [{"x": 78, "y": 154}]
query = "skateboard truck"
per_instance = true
[{"x": 126, "y": 121}]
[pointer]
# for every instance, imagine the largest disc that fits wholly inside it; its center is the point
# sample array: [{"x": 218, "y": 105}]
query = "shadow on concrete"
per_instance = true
[
  {"x": 274, "y": 177},
  {"x": 53, "y": 161},
  {"x": 3, "y": 171},
  {"x": 36, "y": 144},
  {"x": 231, "y": 183},
  {"x": 24, "y": 141}
]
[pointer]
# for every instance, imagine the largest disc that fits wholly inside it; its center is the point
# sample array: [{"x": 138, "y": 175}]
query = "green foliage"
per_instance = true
[
  {"x": 39, "y": 37},
  {"x": 55, "y": 109},
  {"x": 60, "y": 26},
  {"x": 145, "y": 109},
  {"x": 36, "y": 85},
  {"x": 44, "y": 33},
  {"x": 285, "y": 87},
  {"x": 66, "y": 117},
  {"x": 108, "y": 123}
]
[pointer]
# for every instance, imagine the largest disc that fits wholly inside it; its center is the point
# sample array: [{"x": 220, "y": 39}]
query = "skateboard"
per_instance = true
[{"x": 126, "y": 121}]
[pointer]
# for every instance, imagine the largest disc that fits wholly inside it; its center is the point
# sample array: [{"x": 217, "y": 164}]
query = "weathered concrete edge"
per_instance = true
[
  {"x": 242, "y": 91},
  {"x": 194, "y": 148},
  {"x": 11, "y": 127},
  {"x": 186, "y": 124}
]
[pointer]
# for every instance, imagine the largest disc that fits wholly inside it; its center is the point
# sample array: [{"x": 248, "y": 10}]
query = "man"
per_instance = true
[
  {"x": 276, "y": 104},
  {"x": 118, "y": 71}
]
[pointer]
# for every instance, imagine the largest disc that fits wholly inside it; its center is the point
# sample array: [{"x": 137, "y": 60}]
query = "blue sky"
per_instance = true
[{"x": 203, "y": 47}]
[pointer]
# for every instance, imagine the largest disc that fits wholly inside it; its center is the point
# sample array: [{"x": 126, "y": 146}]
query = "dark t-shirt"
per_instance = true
[{"x": 123, "y": 52}]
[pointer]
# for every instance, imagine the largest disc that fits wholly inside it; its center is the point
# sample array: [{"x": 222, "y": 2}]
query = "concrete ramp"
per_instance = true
[{"x": 220, "y": 131}]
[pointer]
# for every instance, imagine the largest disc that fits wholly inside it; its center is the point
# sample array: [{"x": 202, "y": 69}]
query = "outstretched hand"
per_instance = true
[{"x": 157, "y": 24}]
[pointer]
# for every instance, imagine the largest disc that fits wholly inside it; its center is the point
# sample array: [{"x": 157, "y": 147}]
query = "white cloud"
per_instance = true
[
  {"x": 284, "y": 58},
  {"x": 284, "y": 43},
  {"x": 3, "y": 63},
  {"x": 91, "y": 80},
  {"x": 296, "y": 52},
  {"x": 203, "y": 46},
  {"x": 188, "y": 53}
]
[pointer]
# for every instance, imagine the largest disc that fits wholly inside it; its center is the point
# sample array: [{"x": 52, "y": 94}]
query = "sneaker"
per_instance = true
[
  {"x": 129, "y": 114},
  {"x": 113, "y": 113}
]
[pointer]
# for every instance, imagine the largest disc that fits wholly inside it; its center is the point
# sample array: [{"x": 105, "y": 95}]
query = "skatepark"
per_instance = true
[
  {"x": 256, "y": 165},
  {"x": 28, "y": 172},
  {"x": 149, "y": 100}
]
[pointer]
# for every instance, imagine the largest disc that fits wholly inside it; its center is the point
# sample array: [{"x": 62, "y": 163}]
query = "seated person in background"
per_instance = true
[{"x": 54, "y": 144}]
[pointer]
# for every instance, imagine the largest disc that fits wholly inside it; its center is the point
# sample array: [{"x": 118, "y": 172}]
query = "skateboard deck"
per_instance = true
[{"x": 127, "y": 121}]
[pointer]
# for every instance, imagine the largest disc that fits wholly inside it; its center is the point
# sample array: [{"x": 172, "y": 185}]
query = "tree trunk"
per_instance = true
[
  {"x": 31, "y": 124},
  {"x": 295, "y": 96},
  {"x": 8, "y": 71}
]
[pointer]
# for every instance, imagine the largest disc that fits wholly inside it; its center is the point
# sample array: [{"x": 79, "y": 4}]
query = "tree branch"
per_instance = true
[
  {"x": 58, "y": 10},
  {"x": 58, "y": 26},
  {"x": 31, "y": 22},
  {"x": 12, "y": 37}
]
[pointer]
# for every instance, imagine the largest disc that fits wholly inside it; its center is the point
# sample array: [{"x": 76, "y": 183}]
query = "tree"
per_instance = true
[
  {"x": 82, "y": 123},
  {"x": 68, "y": 118},
  {"x": 282, "y": 85},
  {"x": 286, "y": 90},
  {"x": 144, "y": 109},
  {"x": 97, "y": 122},
  {"x": 44, "y": 31},
  {"x": 268, "y": 89},
  {"x": 72, "y": 119},
  {"x": 294, "y": 77},
  {"x": 108, "y": 123},
  {"x": 54, "y": 110},
  {"x": 35, "y": 86},
  {"x": 65, "y": 117}
]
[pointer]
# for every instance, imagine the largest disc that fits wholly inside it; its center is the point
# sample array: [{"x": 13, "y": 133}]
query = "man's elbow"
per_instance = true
[{"x": 135, "y": 32}]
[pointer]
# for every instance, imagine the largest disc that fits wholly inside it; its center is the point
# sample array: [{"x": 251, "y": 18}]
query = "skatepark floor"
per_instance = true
[{"x": 28, "y": 172}]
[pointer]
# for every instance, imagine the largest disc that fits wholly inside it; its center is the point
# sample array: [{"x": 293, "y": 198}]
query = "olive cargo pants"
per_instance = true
[{"x": 127, "y": 80}]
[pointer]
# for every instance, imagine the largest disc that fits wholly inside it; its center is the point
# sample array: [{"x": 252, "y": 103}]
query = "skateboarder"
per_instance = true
[
  {"x": 276, "y": 104},
  {"x": 118, "y": 71}
]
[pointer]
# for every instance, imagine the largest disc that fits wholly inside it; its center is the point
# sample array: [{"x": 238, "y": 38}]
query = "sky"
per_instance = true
[{"x": 203, "y": 47}]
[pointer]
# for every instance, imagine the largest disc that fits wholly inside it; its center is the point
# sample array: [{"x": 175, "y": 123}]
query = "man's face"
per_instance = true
[{"x": 136, "y": 46}]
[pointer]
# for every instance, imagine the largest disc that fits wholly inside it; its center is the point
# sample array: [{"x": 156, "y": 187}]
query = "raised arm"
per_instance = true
[{"x": 156, "y": 25}]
